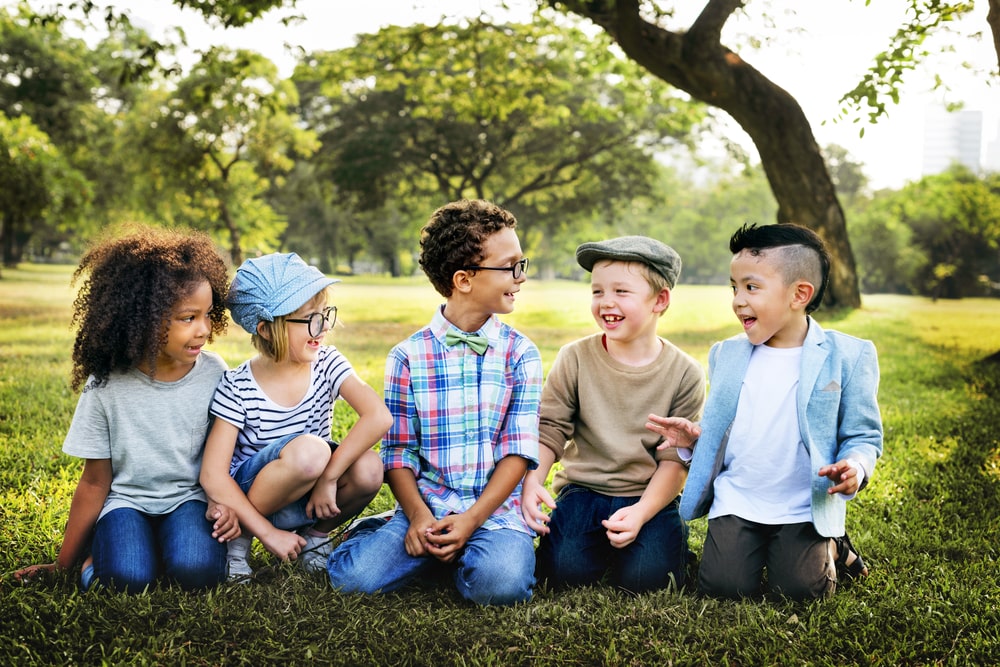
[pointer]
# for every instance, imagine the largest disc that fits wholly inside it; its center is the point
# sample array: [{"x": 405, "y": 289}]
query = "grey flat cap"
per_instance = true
[{"x": 656, "y": 255}]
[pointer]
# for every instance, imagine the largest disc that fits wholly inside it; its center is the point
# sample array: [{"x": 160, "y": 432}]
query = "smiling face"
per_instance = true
[
  {"x": 188, "y": 329},
  {"x": 494, "y": 292},
  {"x": 623, "y": 303},
  {"x": 771, "y": 310},
  {"x": 302, "y": 347}
]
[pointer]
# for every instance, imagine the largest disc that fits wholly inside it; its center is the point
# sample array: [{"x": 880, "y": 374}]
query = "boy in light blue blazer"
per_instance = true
[{"x": 791, "y": 428}]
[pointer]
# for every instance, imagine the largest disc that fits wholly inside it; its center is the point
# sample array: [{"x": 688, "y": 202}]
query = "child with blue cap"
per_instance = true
[{"x": 269, "y": 452}]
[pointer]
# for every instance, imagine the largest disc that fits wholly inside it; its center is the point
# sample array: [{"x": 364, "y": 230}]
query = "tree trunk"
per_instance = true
[
  {"x": 235, "y": 250},
  {"x": 993, "y": 19},
  {"x": 697, "y": 63}
]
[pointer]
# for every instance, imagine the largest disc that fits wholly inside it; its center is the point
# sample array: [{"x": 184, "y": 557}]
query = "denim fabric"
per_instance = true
[
  {"x": 133, "y": 550},
  {"x": 292, "y": 516},
  {"x": 577, "y": 552},
  {"x": 495, "y": 568}
]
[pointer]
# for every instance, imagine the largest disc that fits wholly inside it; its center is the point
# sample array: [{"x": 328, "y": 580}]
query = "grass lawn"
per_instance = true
[{"x": 926, "y": 525}]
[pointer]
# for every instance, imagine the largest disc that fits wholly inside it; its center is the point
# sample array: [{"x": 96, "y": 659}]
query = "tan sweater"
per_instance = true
[{"x": 594, "y": 410}]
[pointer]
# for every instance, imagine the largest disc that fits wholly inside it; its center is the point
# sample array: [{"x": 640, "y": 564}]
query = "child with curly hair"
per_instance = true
[{"x": 149, "y": 303}]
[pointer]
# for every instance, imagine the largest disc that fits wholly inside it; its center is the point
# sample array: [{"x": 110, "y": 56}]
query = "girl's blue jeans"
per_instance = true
[
  {"x": 133, "y": 550},
  {"x": 495, "y": 567},
  {"x": 577, "y": 552}
]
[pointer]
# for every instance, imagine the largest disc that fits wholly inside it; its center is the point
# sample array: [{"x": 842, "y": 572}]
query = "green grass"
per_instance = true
[{"x": 927, "y": 524}]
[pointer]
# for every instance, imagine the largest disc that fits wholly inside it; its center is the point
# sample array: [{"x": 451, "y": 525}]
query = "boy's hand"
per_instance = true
[
  {"x": 675, "y": 431},
  {"x": 226, "y": 525},
  {"x": 26, "y": 574},
  {"x": 323, "y": 500},
  {"x": 844, "y": 477},
  {"x": 447, "y": 537},
  {"x": 416, "y": 535},
  {"x": 623, "y": 526},
  {"x": 533, "y": 496}
]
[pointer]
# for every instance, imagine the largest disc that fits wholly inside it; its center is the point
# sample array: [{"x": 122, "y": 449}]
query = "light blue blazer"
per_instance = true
[{"x": 837, "y": 409}]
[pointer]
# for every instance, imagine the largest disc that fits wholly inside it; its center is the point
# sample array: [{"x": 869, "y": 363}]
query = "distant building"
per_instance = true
[
  {"x": 951, "y": 137},
  {"x": 991, "y": 158}
]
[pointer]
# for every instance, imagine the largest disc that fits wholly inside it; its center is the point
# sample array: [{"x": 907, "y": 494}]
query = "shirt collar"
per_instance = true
[{"x": 440, "y": 325}]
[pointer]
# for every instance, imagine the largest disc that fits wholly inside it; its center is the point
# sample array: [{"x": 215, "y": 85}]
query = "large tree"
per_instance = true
[
  {"x": 535, "y": 116},
  {"x": 227, "y": 126},
  {"x": 697, "y": 62}
]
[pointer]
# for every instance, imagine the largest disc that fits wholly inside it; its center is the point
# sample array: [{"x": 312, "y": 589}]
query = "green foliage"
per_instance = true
[
  {"x": 542, "y": 118},
  {"x": 939, "y": 236},
  {"x": 925, "y": 525},
  {"x": 881, "y": 84}
]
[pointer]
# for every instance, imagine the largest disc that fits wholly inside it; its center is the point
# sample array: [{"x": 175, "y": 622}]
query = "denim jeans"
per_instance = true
[
  {"x": 292, "y": 516},
  {"x": 577, "y": 552},
  {"x": 133, "y": 550},
  {"x": 495, "y": 567}
]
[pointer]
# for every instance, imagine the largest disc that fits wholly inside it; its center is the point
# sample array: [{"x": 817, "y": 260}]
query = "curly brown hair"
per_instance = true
[
  {"x": 453, "y": 238},
  {"x": 132, "y": 283}
]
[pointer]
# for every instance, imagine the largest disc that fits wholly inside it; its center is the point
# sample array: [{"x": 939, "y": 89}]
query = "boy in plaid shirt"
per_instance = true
[{"x": 464, "y": 393}]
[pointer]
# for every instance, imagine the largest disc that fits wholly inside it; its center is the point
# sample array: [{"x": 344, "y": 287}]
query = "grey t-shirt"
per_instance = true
[{"x": 153, "y": 432}]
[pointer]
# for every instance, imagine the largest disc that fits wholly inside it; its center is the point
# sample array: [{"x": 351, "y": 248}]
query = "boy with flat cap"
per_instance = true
[{"x": 616, "y": 511}]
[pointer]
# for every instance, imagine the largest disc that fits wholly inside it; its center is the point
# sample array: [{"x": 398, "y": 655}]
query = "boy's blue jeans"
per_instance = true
[
  {"x": 495, "y": 568},
  {"x": 133, "y": 550},
  {"x": 576, "y": 551}
]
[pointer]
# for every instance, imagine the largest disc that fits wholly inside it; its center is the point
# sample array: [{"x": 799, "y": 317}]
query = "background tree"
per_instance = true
[
  {"x": 35, "y": 178},
  {"x": 939, "y": 236},
  {"x": 538, "y": 118},
  {"x": 228, "y": 124},
  {"x": 696, "y": 61}
]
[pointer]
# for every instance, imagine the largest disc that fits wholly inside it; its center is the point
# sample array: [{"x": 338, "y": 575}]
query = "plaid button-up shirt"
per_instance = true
[{"x": 456, "y": 414}]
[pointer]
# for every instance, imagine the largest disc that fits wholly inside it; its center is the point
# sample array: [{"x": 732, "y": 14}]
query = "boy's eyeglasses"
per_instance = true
[
  {"x": 517, "y": 270},
  {"x": 316, "y": 321}
]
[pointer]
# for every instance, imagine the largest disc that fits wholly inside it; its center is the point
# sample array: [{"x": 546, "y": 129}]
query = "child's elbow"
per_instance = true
[{"x": 384, "y": 420}]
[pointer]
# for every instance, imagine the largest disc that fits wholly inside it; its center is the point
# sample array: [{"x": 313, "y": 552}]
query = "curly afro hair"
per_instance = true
[
  {"x": 453, "y": 238},
  {"x": 130, "y": 286}
]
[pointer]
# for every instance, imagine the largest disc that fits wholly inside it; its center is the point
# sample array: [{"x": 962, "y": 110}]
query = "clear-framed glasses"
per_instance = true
[
  {"x": 317, "y": 321},
  {"x": 517, "y": 269}
]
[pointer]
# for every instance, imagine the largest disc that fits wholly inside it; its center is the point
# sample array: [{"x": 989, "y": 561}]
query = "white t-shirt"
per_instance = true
[
  {"x": 153, "y": 432},
  {"x": 240, "y": 401},
  {"x": 767, "y": 470}
]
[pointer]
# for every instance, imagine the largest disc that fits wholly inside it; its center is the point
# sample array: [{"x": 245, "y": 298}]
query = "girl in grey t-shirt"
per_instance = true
[{"x": 150, "y": 302}]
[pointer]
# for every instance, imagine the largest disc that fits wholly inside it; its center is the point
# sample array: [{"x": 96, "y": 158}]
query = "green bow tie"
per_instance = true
[{"x": 477, "y": 343}]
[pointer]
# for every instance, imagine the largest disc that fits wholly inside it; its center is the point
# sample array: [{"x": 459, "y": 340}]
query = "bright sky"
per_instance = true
[{"x": 835, "y": 46}]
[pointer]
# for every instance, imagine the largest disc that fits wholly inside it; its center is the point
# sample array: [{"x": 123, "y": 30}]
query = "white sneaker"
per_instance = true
[
  {"x": 316, "y": 552},
  {"x": 237, "y": 563}
]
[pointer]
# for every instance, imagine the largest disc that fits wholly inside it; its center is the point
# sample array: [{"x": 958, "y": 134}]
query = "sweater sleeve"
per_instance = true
[{"x": 560, "y": 403}]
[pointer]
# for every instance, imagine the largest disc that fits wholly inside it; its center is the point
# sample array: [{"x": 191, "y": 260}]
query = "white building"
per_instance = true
[
  {"x": 951, "y": 137},
  {"x": 991, "y": 157}
]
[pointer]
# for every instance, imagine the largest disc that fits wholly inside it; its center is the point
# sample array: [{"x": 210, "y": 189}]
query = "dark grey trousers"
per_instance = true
[{"x": 799, "y": 561}]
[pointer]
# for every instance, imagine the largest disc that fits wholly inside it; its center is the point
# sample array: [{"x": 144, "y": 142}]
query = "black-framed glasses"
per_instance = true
[
  {"x": 317, "y": 321},
  {"x": 516, "y": 270}
]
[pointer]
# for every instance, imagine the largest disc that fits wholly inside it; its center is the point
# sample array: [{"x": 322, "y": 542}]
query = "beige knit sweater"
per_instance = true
[{"x": 594, "y": 410}]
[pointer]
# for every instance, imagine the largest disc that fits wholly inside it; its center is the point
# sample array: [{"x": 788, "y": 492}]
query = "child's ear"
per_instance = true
[
  {"x": 803, "y": 294},
  {"x": 461, "y": 281},
  {"x": 662, "y": 300},
  {"x": 263, "y": 331}
]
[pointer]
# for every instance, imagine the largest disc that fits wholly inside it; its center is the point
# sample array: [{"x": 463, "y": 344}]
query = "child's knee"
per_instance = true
[
  {"x": 366, "y": 473},
  {"x": 496, "y": 581},
  {"x": 307, "y": 455}
]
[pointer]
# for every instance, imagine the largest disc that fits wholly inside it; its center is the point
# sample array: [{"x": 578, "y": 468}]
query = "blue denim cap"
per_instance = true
[
  {"x": 270, "y": 286},
  {"x": 655, "y": 254}
]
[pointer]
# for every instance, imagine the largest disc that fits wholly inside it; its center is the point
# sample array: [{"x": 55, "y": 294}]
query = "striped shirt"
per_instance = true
[
  {"x": 240, "y": 401},
  {"x": 456, "y": 414}
]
